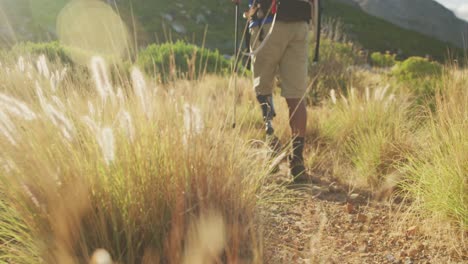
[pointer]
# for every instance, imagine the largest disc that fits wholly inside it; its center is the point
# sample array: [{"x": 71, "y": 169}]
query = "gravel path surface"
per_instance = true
[{"x": 329, "y": 224}]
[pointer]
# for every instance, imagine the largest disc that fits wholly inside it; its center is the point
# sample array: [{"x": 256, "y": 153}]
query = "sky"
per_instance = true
[{"x": 460, "y": 7}]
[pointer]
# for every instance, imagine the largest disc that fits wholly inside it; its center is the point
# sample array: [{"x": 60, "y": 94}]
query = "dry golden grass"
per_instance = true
[
  {"x": 125, "y": 165},
  {"x": 154, "y": 173}
]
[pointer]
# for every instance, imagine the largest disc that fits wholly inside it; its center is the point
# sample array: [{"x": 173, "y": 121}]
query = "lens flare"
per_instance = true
[{"x": 91, "y": 27}]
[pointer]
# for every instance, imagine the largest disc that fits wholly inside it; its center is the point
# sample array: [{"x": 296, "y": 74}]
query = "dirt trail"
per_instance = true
[{"x": 329, "y": 225}]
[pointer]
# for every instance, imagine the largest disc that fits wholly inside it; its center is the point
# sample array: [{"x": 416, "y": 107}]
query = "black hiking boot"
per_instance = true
[{"x": 298, "y": 171}]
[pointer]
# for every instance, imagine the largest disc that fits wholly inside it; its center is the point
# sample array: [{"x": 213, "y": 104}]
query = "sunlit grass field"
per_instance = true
[
  {"x": 140, "y": 169},
  {"x": 132, "y": 155},
  {"x": 155, "y": 172}
]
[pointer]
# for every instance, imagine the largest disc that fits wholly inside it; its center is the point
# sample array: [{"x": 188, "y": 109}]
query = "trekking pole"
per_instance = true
[
  {"x": 318, "y": 28},
  {"x": 236, "y": 58}
]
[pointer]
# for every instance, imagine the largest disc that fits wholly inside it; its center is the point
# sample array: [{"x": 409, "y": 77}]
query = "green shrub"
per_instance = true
[
  {"x": 172, "y": 60},
  {"x": 333, "y": 70},
  {"x": 383, "y": 60},
  {"x": 52, "y": 50},
  {"x": 67, "y": 55},
  {"x": 422, "y": 77},
  {"x": 417, "y": 68},
  {"x": 345, "y": 53}
]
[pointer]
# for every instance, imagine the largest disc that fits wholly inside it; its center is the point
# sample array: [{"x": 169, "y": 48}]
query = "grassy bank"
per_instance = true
[{"x": 142, "y": 170}]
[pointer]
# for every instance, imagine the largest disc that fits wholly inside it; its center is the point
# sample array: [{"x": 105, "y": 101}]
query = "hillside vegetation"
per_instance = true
[
  {"x": 144, "y": 167},
  {"x": 163, "y": 20},
  {"x": 372, "y": 33},
  {"x": 135, "y": 157}
]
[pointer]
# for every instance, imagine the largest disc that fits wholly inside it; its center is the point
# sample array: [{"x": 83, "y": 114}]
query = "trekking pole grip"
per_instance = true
[{"x": 236, "y": 59}]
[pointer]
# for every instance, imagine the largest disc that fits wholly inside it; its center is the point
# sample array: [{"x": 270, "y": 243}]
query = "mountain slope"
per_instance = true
[
  {"x": 376, "y": 34},
  {"x": 427, "y": 17},
  {"x": 162, "y": 20},
  {"x": 372, "y": 33}
]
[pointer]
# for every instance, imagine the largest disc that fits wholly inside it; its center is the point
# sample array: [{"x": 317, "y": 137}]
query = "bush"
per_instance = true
[
  {"x": 52, "y": 50},
  {"x": 65, "y": 55},
  {"x": 333, "y": 70},
  {"x": 383, "y": 60},
  {"x": 415, "y": 68},
  {"x": 172, "y": 60},
  {"x": 422, "y": 77}
]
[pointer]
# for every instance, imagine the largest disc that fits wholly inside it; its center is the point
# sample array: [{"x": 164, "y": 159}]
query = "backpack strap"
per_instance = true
[{"x": 265, "y": 40}]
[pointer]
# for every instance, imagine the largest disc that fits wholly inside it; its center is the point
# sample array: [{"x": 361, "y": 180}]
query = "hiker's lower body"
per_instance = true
[{"x": 284, "y": 55}]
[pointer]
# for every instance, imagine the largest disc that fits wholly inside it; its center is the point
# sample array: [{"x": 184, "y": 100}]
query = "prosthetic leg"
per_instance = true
[{"x": 268, "y": 112}]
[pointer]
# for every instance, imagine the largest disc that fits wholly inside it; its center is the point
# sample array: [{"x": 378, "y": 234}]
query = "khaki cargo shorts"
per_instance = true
[{"x": 285, "y": 54}]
